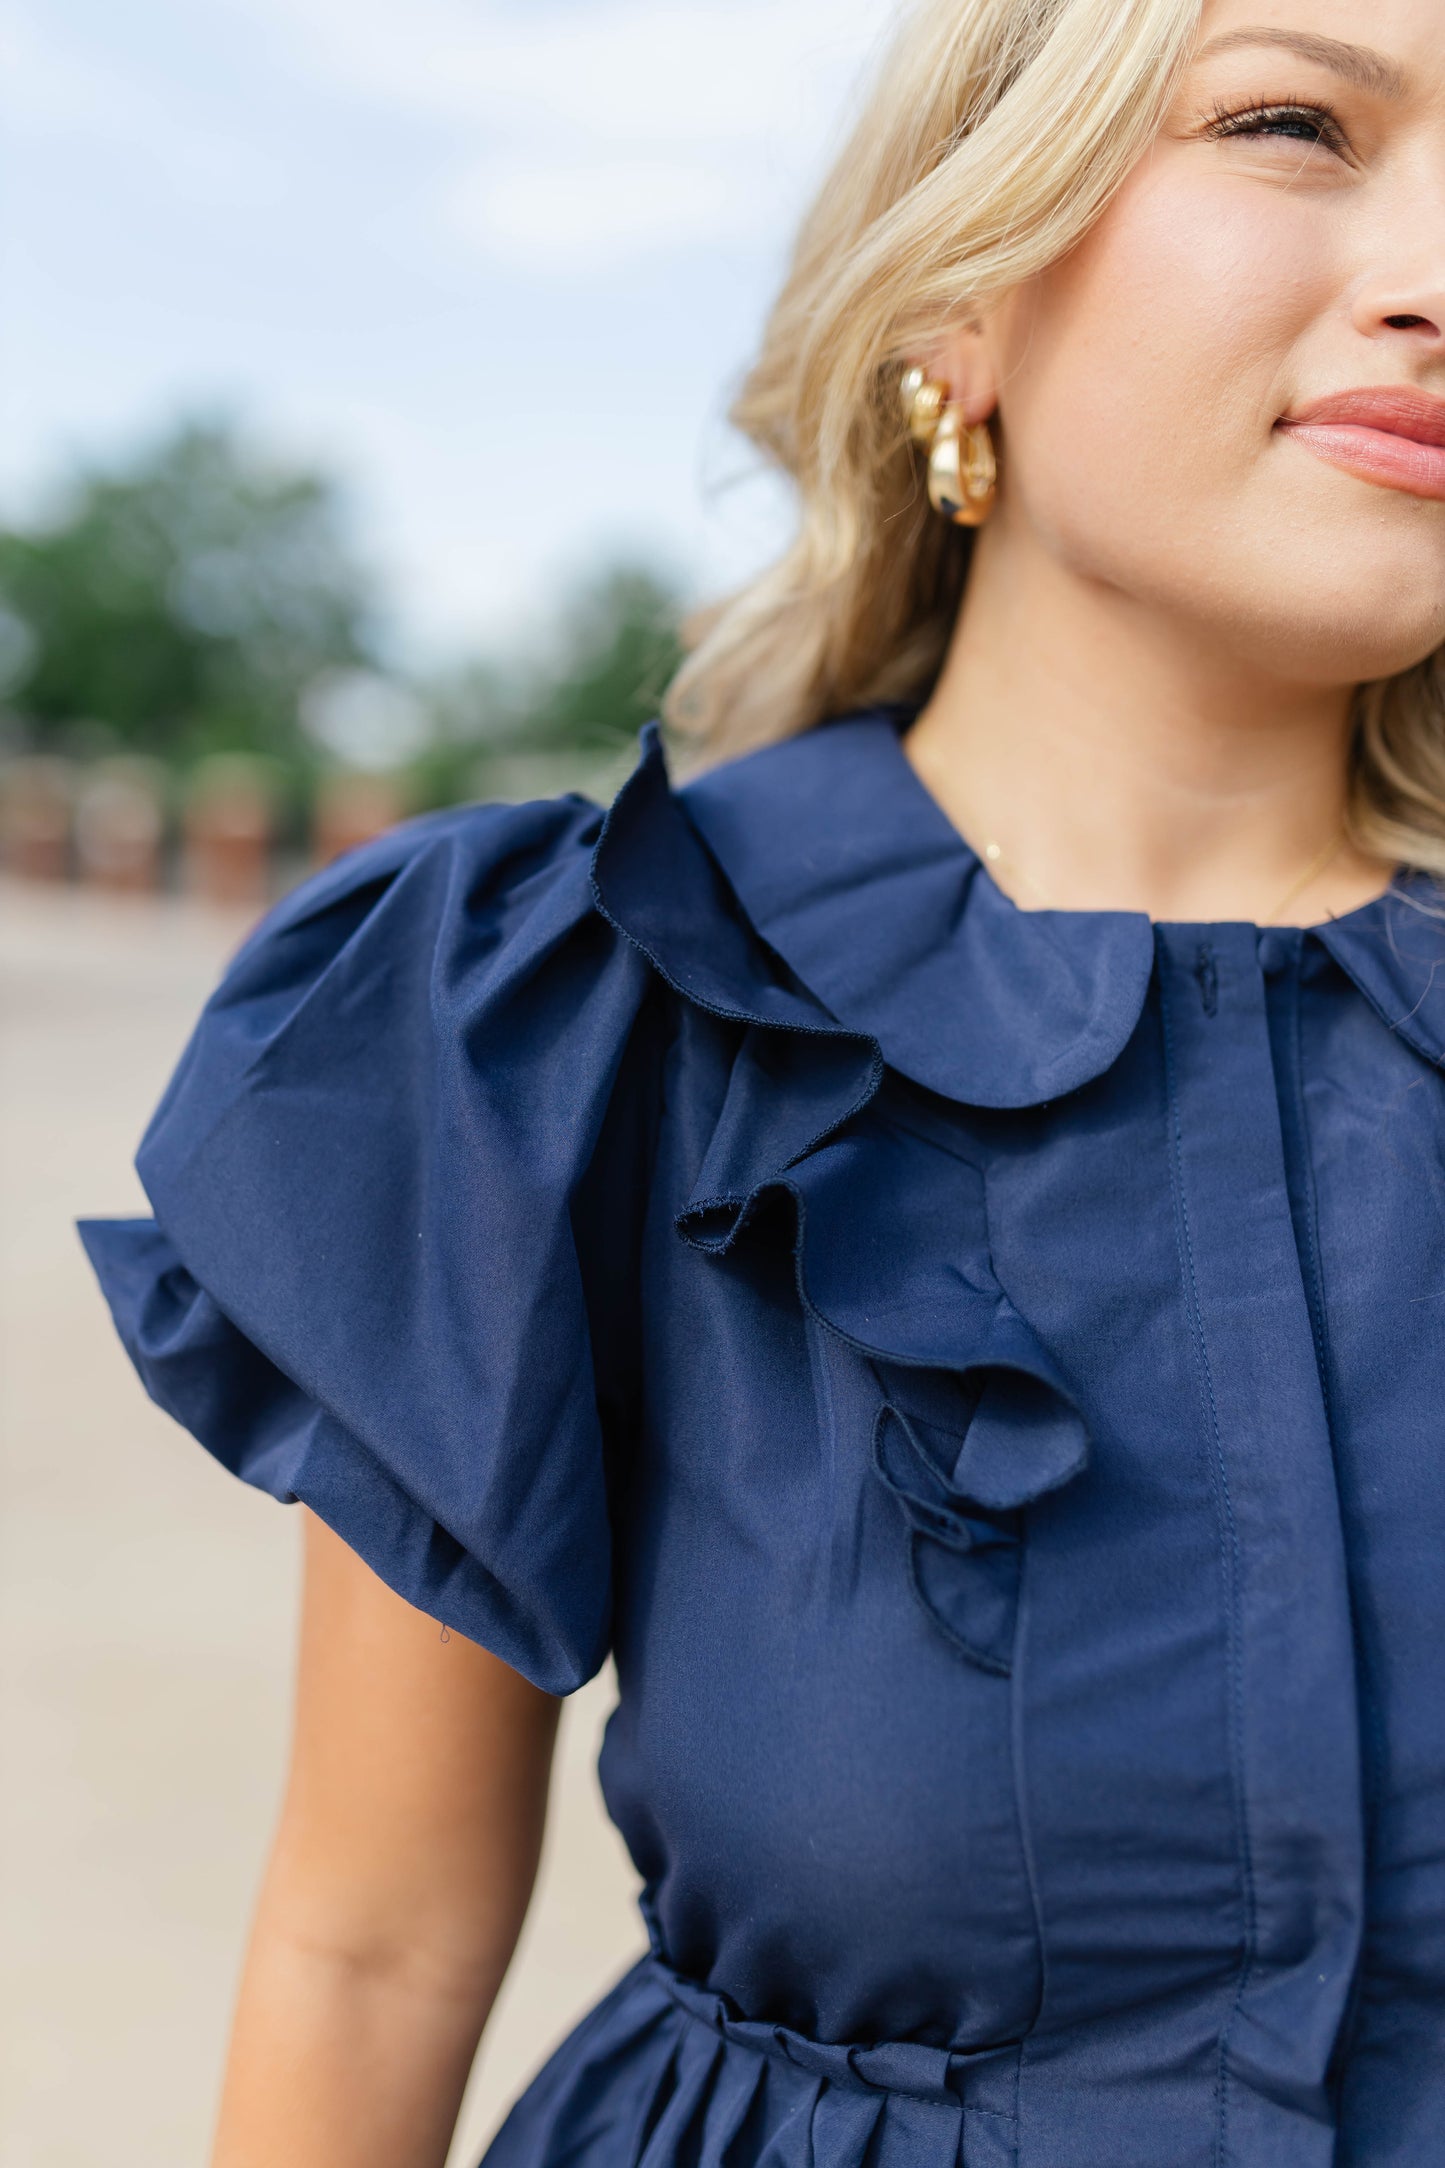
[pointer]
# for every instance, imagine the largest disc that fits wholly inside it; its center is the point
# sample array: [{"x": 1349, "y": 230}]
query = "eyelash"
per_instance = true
[{"x": 1269, "y": 117}]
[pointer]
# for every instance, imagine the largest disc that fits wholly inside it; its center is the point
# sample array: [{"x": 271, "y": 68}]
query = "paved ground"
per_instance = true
[{"x": 146, "y": 1605}]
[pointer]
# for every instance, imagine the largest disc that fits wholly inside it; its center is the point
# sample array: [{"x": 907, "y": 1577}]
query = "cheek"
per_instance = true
[
  {"x": 1141, "y": 380},
  {"x": 1146, "y": 370}
]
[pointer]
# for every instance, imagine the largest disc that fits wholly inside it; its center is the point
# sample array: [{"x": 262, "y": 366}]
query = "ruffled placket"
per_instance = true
[{"x": 975, "y": 1422}]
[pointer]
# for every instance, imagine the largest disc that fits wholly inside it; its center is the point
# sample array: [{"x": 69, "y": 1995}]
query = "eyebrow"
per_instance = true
[{"x": 1369, "y": 71}]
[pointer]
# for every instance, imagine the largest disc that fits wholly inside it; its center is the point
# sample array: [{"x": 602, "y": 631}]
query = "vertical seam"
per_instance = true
[
  {"x": 1018, "y": 1749},
  {"x": 1229, "y": 1563},
  {"x": 1370, "y": 1723},
  {"x": 1018, "y": 1767},
  {"x": 1312, "y": 1264}
]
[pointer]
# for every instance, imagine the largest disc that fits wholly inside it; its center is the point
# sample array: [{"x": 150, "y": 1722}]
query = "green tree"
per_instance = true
[
  {"x": 584, "y": 688},
  {"x": 616, "y": 647},
  {"x": 184, "y": 602}
]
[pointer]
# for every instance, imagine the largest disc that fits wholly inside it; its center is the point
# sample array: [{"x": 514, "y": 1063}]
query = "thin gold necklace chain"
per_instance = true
[
  {"x": 1311, "y": 873},
  {"x": 995, "y": 855}
]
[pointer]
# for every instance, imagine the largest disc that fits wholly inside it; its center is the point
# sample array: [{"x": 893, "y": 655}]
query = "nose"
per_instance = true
[{"x": 1407, "y": 302}]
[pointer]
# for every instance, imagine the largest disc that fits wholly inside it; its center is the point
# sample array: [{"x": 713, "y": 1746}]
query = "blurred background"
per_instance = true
[{"x": 363, "y": 372}]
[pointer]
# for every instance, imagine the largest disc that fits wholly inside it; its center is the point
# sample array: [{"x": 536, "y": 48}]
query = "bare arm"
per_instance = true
[{"x": 402, "y": 1867}]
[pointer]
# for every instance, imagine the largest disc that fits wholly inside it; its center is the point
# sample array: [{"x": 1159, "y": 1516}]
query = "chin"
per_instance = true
[
  {"x": 1329, "y": 626},
  {"x": 1372, "y": 637},
  {"x": 1367, "y": 592},
  {"x": 1347, "y": 650}
]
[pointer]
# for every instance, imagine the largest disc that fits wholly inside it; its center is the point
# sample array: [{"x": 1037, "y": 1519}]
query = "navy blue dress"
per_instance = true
[{"x": 980, "y": 1372}]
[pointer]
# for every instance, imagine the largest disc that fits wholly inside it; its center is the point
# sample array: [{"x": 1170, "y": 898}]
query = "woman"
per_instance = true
[{"x": 927, "y": 1240}]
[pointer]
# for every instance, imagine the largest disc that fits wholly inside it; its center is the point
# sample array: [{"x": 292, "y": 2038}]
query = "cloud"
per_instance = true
[
  {"x": 55, "y": 93},
  {"x": 576, "y": 134},
  {"x": 580, "y": 216}
]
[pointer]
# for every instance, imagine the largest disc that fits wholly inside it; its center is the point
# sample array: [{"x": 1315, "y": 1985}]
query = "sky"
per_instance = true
[{"x": 497, "y": 263}]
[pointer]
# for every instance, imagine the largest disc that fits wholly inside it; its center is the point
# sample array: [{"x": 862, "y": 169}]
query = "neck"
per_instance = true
[{"x": 1120, "y": 761}]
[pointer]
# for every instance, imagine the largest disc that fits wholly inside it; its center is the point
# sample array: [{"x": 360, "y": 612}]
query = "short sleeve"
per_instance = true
[{"x": 393, "y": 1182}]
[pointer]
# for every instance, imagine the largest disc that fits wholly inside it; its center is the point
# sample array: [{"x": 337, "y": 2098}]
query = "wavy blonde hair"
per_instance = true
[{"x": 996, "y": 134}]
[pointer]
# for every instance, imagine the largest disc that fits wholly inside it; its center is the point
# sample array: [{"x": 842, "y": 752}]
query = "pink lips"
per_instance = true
[{"x": 1391, "y": 435}]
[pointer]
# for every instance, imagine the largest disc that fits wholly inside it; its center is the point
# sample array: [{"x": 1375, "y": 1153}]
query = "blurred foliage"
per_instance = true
[
  {"x": 192, "y": 602},
  {"x": 599, "y": 675},
  {"x": 618, "y": 647},
  {"x": 182, "y": 606}
]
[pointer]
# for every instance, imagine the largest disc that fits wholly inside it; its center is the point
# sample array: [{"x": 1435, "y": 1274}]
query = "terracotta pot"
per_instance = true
[
  {"x": 120, "y": 826},
  {"x": 351, "y": 810},
  {"x": 37, "y": 806},
  {"x": 230, "y": 827}
]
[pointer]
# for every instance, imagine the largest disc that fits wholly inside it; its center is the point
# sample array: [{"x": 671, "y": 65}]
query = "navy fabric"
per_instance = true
[{"x": 979, "y": 1372}]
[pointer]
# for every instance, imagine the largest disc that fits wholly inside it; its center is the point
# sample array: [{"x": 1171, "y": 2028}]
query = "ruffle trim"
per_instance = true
[
  {"x": 259, "y": 1424},
  {"x": 375, "y": 1174},
  {"x": 976, "y": 1422}
]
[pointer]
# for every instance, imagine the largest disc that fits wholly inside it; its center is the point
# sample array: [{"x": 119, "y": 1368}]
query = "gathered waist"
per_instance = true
[
  {"x": 667, "y": 2073},
  {"x": 982, "y": 2082}
]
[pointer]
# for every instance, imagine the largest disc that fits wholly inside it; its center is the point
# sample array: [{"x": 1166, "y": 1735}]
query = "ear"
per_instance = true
[{"x": 962, "y": 358}]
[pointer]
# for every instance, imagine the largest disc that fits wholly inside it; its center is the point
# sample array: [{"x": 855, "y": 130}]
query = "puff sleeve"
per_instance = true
[{"x": 395, "y": 1180}]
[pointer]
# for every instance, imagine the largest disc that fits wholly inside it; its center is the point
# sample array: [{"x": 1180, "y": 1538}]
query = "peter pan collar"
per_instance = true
[
  {"x": 850, "y": 870},
  {"x": 852, "y": 873},
  {"x": 1394, "y": 950}
]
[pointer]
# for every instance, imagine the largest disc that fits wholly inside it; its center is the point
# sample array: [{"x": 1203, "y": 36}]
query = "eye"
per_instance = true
[{"x": 1291, "y": 122}]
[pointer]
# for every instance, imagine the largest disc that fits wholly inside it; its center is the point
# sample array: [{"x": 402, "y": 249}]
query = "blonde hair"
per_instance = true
[{"x": 996, "y": 134}]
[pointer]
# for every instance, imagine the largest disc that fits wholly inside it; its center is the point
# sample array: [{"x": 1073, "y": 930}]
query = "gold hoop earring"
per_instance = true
[
  {"x": 962, "y": 470},
  {"x": 962, "y": 463}
]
